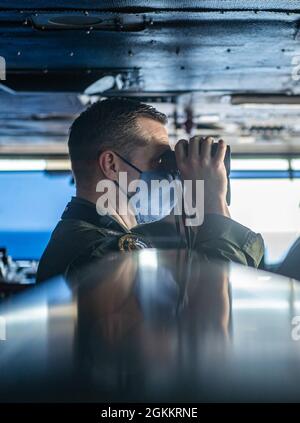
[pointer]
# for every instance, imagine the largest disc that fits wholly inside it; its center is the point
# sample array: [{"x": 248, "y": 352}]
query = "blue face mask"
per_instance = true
[{"x": 167, "y": 200}]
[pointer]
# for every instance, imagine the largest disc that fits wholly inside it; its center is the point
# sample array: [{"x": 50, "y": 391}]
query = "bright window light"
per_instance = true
[
  {"x": 260, "y": 164},
  {"x": 270, "y": 207},
  {"x": 11, "y": 165},
  {"x": 295, "y": 163},
  {"x": 262, "y": 304},
  {"x": 17, "y": 165}
]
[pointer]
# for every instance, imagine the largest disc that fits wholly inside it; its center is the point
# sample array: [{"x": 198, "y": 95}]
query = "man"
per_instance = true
[{"x": 117, "y": 136}]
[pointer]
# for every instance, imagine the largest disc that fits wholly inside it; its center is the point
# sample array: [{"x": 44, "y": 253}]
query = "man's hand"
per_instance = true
[{"x": 195, "y": 162}]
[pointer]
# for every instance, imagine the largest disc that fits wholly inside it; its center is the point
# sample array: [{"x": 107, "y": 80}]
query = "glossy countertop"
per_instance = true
[{"x": 153, "y": 326}]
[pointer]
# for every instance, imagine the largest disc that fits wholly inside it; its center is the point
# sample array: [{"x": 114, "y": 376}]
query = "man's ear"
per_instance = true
[{"x": 109, "y": 164}]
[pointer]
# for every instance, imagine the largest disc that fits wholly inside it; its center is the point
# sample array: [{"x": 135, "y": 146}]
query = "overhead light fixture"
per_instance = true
[
  {"x": 95, "y": 21},
  {"x": 259, "y": 164},
  {"x": 19, "y": 165},
  {"x": 265, "y": 99},
  {"x": 103, "y": 84},
  {"x": 119, "y": 80}
]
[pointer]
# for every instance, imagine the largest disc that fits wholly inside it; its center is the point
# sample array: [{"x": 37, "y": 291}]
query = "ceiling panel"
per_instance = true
[
  {"x": 196, "y": 50},
  {"x": 172, "y": 51},
  {"x": 153, "y": 4}
]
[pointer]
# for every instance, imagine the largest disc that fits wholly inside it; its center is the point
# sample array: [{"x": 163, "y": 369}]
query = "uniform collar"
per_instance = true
[{"x": 81, "y": 209}]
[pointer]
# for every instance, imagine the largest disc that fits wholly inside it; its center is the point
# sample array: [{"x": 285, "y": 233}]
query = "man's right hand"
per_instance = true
[{"x": 195, "y": 162}]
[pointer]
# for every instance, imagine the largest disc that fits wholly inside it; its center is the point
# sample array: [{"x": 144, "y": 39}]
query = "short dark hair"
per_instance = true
[{"x": 107, "y": 124}]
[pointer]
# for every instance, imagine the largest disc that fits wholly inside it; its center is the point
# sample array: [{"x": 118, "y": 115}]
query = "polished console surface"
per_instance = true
[{"x": 153, "y": 326}]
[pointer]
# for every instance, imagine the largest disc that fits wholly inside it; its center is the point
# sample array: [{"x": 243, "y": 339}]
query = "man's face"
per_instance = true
[
  {"x": 144, "y": 158},
  {"x": 147, "y": 157}
]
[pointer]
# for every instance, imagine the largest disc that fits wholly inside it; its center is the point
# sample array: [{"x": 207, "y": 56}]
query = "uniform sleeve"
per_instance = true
[{"x": 223, "y": 238}]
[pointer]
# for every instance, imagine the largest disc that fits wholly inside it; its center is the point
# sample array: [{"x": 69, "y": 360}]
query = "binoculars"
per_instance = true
[{"x": 168, "y": 160}]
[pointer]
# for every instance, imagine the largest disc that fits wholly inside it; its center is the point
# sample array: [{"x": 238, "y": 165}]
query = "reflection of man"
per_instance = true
[
  {"x": 120, "y": 135},
  {"x": 152, "y": 317}
]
